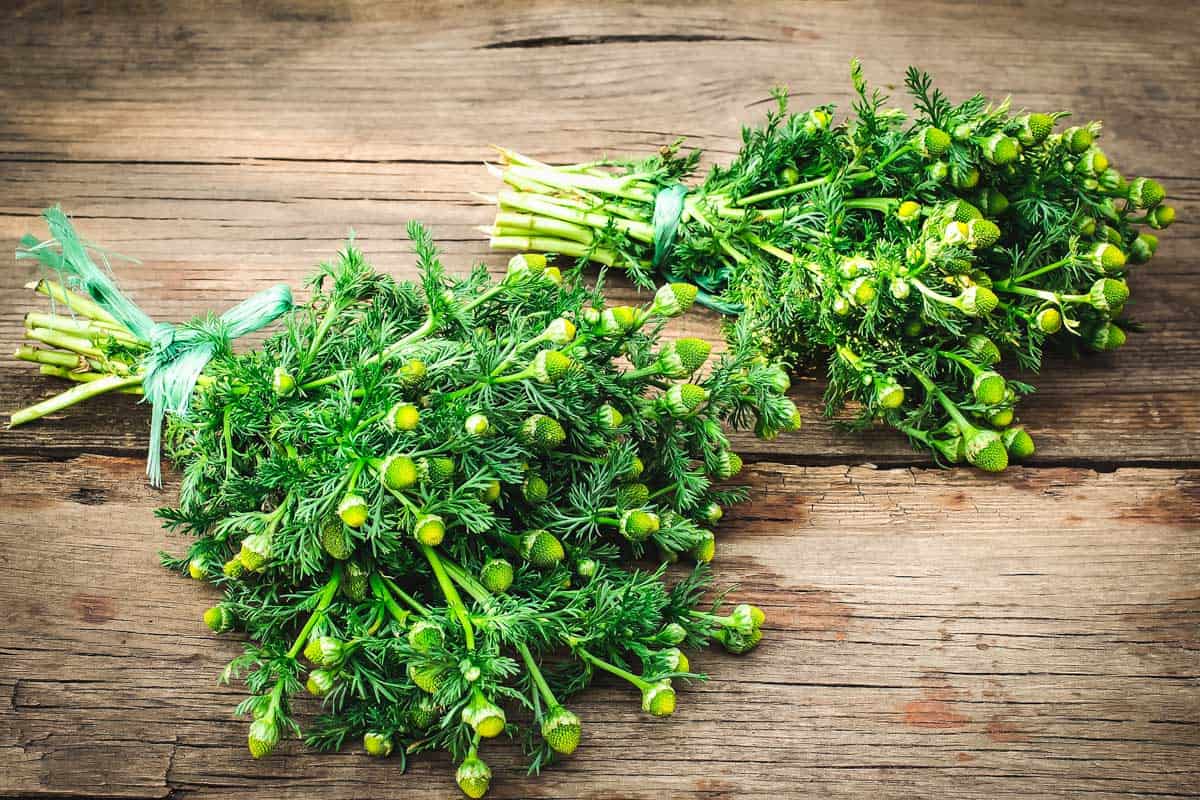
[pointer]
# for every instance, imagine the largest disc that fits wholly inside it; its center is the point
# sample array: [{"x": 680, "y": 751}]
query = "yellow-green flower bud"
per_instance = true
[
  {"x": 673, "y": 299},
  {"x": 485, "y": 717},
  {"x": 908, "y": 211},
  {"x": 378, "y": 745},
  {"x": 477, "y": 425},
  {"x": 534, "y": 489},
  {"x": 496, "y": 575},
  {"x": 683, "y": 399},
  {"x": 988, "y": 387},
  {"x": 353, "y": 510},
  {"x": 609, "y": 417},
  {"x": 263, "y": 736},
  {"x": 412, "y": 373},
  {"x": 196, "y": 570},
  {"x": 1032, "y": 129},
  {"x": 889, "y": 394},
  {"x": 637, "y": 525},
  {"x": 320, "y": 682},
  {"x": 219, "y": 619},
  {"x": 325, "y": 651},
  {"x": 985, "y": 450},
  {"x": 1048, "y": 320},
  {"x": 659, "y": 699},
  {"x": 429, "y": 529},
  {"x": 560, "y": 331},
  {"x": 931, "y": 142},
  {"x": 255, "y": 552},
  {"x": 729, "y": 464},
  {"x": 541, "y": 549},
  {"x": 1018, "y": 443},
  {"x": 705, "y": 547},
  {"x": 562, "y": 730},
  {"x": 1000, "y": 149},
  {"x": 549, "y": 366},
  {"x": 402, "y": 417},
  {"x": 398, "y": 472},
  {"x": 282, "y": 382},
  {"x": 1160, "y": 217},
  {"x": 473, "y": 777},
  {"x": 542, "y": 432}
]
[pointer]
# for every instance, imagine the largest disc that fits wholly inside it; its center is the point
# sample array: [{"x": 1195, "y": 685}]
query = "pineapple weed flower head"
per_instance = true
[
  {"x": 417, "y": 493},
  {"x": 882, "y": 244}
]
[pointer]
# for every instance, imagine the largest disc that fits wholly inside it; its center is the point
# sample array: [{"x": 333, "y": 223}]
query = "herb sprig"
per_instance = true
[
  {"x": 444, "y": 507},
  {"x": 911, "y": 253}
]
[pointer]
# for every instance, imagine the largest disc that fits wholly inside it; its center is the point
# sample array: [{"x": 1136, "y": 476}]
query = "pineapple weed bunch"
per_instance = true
[
  {"x": 436, "y": 504},
  {"x": 914, "y": 252}
]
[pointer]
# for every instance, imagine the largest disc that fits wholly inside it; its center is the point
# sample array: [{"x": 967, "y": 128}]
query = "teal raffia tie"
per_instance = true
[
  {"x": 178, "y": 353},
  {"x": 668, "y": 210}
]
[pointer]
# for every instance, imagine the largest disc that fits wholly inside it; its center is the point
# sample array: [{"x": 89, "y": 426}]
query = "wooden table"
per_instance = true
[{"x": 931, "y": 633}]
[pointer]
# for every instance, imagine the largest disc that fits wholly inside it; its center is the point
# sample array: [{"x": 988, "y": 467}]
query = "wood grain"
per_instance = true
[{"x": 931, "y": 633}]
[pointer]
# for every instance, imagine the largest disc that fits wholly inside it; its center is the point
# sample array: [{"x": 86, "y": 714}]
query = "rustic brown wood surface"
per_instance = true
[{"x": 931, "y": 633}]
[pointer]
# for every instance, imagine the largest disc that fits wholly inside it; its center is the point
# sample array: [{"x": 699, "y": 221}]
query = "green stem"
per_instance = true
[
  {"x": 539, "y": 680},
  {"x": 318, "y": 613},
  {"x": 408, "y": 598},
  {"x": 380, "y": 589},
  {"x": 612, "y": 669},
  {"x": 451, "y": 594},
  {"x": 76, "y": 394},
  {"x": 963, "y": 423},
  {"x": 1040, "y": 271}
]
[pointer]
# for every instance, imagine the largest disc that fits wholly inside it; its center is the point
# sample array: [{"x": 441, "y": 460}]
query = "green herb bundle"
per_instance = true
[
  {"x": 434, "y": 505},
  {"x": 914, "y": 252}
]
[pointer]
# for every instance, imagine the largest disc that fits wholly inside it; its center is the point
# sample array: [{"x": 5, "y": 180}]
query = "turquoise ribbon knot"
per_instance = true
[{"x": 178, "y": 353}]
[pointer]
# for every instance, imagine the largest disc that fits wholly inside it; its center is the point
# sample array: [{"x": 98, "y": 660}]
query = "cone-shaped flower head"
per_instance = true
[
  {"x": 977, "y": 301},
  {"x": 672, "y": 633},
  {"x": 402, "y": 417},
  {"x": 673, "y": 299},
  {"x": 477, "y": 425},
  {"x": 937, "y": 171},
  {"x": 729, "y": 464},
  {"x": 496, "y": 575},
  {"x": 436, "y": 469},
  {"x": 1000, "y": 149},
  {"x": 542, "y": 432},
  {"x": 473, "y": 777},
  {"x": 1001, "y": 418},
  {"x": 549, "y": 366},
  {"x": 263, "y": 736},
  {"x": 541, "y": 549},
  {"x": 633, "y": 495},
  {"x": 282, "y": 382},
  {"x": 682, "y": 399},
  {"x": 357, "y": 579},
  {"x": 1160, "y": 217},
  {"x": 485, "y": 717},
  {"x": 320, "y": 682},
  {"x": 353, "y": 510},
  {"x": 681, "y": 358},
  {"x": 992, "y": 201},
  {"x": 1109, "y": 295},
  {"x": 636, "y": 468},
  {"x": 424, "y": 636},
  {"x": 398, "y": 472},
  {"x": 562, "y": 730},
  {"x": 423, "y": 714},
  {"x": 1018, "y": 443},
  {"x": 985, "y": 450},
  {"x": 982, "y": 233},
  {"x": 233, "y": 568},
  {"x": 1142, "y": 248},
  {"x": 427, "y": 678},
  {"x": 1145, "y": 193},
  {"x": 1048, "y": 320},
  {"x": 889, "y": 393},
  {"x": 705, "y": 547},
  {"x": 325, "y": 651},
  {"x": 712, "y": 513},
  {"x": 617, "y": 320},
  {"x": 1106, "y": 337},
  {"x": 1078, "y": 139},
  {"x": 490, "y": 493},
  {"x": 429, "y": 529},
  {"x": 196, "y": 570},
  {"x": 609, "y": 418},
  {"x": 964, "y": 177},
  {"x": 334, "y": 539},
  {"x": 676, "y": 660},
  {"x": 984, "y": 349},
  {"x": 1033, "y": 129},
  {"x": 908, "y": 211},
  {"x": 1108, "y": 257},
  {"x": 412, "y": 373},
  {"x": 737, "y": 642},
  {"x": 560, "y": 331},
  {"x": 523, "y": 266},
  {"x": 219, "y": 619},
  {"x": 534, "y": 489},
  {"x": 377, "y": 744},
  {"x": 255, "y": 552},
  {"x": 638, "y": 525},
  {"x": 746, "y": 617},
  {"x": 1092, "y": 162},
  {"x": 988, "y": 387},
  {"x": 659, "y": 699},
  {"x": 932, "y": 142}
]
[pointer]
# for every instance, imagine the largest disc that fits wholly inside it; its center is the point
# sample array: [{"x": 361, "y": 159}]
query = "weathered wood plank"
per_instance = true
[{"x": 930, "y": 634}]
